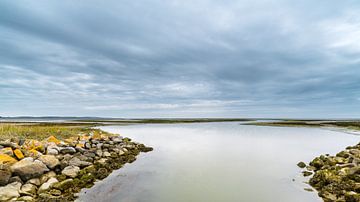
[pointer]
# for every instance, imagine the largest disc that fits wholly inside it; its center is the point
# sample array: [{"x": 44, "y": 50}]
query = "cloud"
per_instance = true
[{"x": 180, "y": 58}]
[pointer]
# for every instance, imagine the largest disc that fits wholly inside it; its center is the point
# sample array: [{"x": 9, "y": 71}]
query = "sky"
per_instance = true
[{"x": 180, "y": 58}]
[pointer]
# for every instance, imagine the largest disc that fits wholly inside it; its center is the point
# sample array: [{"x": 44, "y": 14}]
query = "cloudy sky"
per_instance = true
[{"x": 180, "y": 58}]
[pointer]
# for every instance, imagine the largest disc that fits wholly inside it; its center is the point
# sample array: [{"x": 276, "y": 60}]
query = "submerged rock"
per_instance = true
[{"x": 301, "y": 165}]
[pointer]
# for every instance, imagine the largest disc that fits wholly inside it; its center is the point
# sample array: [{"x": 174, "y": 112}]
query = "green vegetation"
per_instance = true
[
  {"x": 158, "y": 121},
  {"x": 352, "y": 125},
  {"x": 41, "y": 130}
]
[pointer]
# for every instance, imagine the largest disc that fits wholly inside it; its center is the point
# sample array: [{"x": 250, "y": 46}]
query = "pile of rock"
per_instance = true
[
  {"x": 52, "y": 169},
  {"x": 337, "y": 178}
]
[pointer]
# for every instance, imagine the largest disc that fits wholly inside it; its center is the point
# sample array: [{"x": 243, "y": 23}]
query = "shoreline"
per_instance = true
[
  {"x": 337, "y": 177},
  {"x": 53, "y": 169}
]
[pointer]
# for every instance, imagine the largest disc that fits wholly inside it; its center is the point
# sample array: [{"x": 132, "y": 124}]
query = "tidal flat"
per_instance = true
[{"x": 218, "y": 162}]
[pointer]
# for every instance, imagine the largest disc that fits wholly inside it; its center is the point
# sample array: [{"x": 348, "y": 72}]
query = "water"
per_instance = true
[{"x": 217, "y": 162}]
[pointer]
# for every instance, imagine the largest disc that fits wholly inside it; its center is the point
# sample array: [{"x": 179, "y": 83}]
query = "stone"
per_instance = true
[
  {"x": 106, "y": 154},
  {"x": 67, "y": 150},
  {"x": 102, "y": 161},
  {"x": 26, "y": 198},
  {"x": 306, "y": 173},
  {"x": 87, "y": 145},
  {"x": 5, "y": 174},
  {"x": 27, "y": 168},
  {"x": 53, "y": 139},
  {"x": 10, "y": 191},
  {"x": 28, "y": 189},
  {"x": 9, "y": 144},
  {"x": 33, "y": 153},
  {"x": 34, "y": 181},
  {"x": 301, "y": 165},
  {"x": 7, "y": 150},
  {"x": 77, "y": 162},
  {"x": 49, "y": 160},
  {"x": 6, "y": 159},
  {"x": 47, "y": 185},
  {"x": 117, "y": 140},
  {"x": 63, "y": 185},
  {"x": 71, "y": 171},
  {"x": 99, "y": 153},
  {"x": 47, "y": 176},
  {"x": 19, "y": 155},
  {"x": 15, "y": 179}
]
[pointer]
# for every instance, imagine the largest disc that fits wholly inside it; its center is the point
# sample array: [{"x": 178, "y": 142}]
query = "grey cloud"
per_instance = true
[{"x": 180, "y": 58}]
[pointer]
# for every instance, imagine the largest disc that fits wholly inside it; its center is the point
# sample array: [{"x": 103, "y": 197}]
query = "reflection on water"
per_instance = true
[{"x": 224, "y": 162}]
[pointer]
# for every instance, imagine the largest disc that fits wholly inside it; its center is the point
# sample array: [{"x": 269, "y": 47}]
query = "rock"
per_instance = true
[
  {"x": 27, "y": 168},
  {"x": 47, "y": 185},
  {"x": 102, "y": 161},
  {"x": 6, "y": 159},
  {"x": 10, "y": 191},
  {"x": 26, "y": 198},
  {"x": 47, "y": 176},
  {"x": 19, "y": 155},
  {"x": 53, "y": 139},
  {"x": 317, "y": 163},
  {"x": 301, "y": 165},
  {"x": 34, "y": 181},
  {"x": 117, "y": 140},
  {"x": 7, "y": 150},
  {"x": 32, "y": 153},
  {"x": 55, "y": 192},
  {"x": 306, "y": 173},
  {"x": 77, "y": 162},
  {"x": 15, "y": 179},
  {"x": 71, "y": 171},
  {"x": 87, "y": 145},
  {"x": 106, "y": 154},
  {"x": 64, "y": 185},
  {"x": 49, "y": 160},
  {"x": 28, "y": 189},
  {"x": 99, "y": 153},
  {"x": 67, "y": 150},
  {"x": 5, "y": 174},
  {"x": 9, "y": 144}
]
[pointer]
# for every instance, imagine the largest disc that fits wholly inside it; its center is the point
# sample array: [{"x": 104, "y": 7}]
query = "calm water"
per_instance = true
[{"x": 217, "y": 162}]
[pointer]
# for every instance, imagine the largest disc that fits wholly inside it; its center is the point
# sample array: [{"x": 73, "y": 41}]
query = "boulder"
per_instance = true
[
  {"x": 26, "y": 198},
  {"x": 5, "y": 174},
  {"x": 49, "y": 160},
  {"x": 47, "y": 185},
  {"x": 27, "y": 168},
  {"x": 15, "y": 179},
  {"x": 71, "y": 171},
  {"x": 19, "y": 155},
  {"x": 6, "y": 159},
  {"x": 7, "y": 150},
  {"x": 106, "y": 154},
  {"x": 34, "y": 181},
  {"x": 301, "y": 165},
  {"x": 99, "y": 153},
  {"x": 77, "y": 162},
  {"x": 53, "y": 139},
  {"x": 47, "y": 176},
  {"x": 67, "y": 150},
  {"x": 28, "y": 189},
  {"x": 9, "y": 144},
  {"x": 63, "y": 185},
  {"x": 10, "y": 191}
]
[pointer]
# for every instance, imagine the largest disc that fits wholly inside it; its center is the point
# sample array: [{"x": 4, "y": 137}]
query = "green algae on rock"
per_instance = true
[{"x": 337, "y": 178}]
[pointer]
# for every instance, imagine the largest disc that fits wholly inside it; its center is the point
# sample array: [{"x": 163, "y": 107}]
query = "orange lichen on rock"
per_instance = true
[
  {"x": 19, "y": 155},
  {"x": 6, "y": 159},
  {"x": 53, "y": 139}
]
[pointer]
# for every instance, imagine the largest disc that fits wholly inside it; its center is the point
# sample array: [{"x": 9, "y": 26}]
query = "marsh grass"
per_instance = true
[{"x": 41, "y": 130}]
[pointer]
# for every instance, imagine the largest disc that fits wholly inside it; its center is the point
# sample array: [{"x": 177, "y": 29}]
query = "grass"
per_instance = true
[
  {"x": 159, "y": 121},
  {"x": 41, "y": 131},
  {"x": 353, "y": 125}
]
